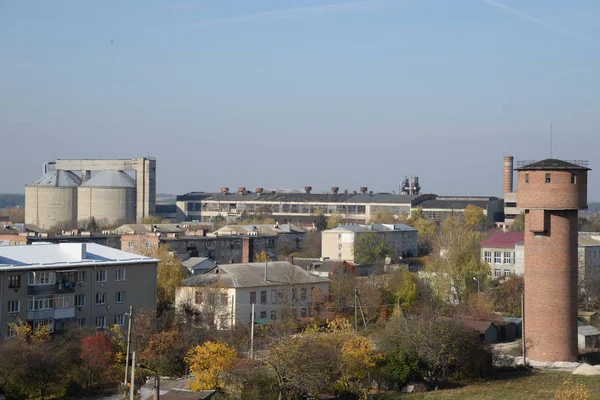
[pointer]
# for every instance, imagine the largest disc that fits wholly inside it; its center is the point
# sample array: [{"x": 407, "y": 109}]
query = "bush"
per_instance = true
[
  {"x": 401, "y": 367},
  {"x": 572, "y": 391}
]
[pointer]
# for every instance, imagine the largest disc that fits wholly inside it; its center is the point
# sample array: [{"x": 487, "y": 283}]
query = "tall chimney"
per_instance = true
[
  {"x": 508, "y": 174},
  {"x": 335, "y": 189},
  {"x": 364, "y": 189},
  {"x": 307, "y": 189}
]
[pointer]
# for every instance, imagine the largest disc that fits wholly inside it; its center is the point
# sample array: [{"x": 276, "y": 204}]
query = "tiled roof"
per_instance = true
[{"x": 505, "y": 240}]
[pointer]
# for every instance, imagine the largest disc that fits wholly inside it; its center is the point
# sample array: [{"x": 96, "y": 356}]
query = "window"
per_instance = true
[
  {"x": 497, "y": 257},
  {"x": 507, "y": 257},
  {"x": 80, "y": 300},
  {"x": 507, "y": 273},
  {"x": 263, "y": 297},
  {"x": 40, "y": 303},
  {"x": 548, "y": 178},
  {"x": 130, "y": 245},
  {"x": 198, "y": 296},
  {"x": 273, "y": 296},
  {"x": 148, "y": 245},
  {"x": 526, "y": 178},
  {"x": 14, "y": 306},
  {"x": 14, "y": 281},
  {"x": 273, "y": 315},
  {"x": 119, "y": 319},
  {"x": 497, "y": 272},
  {"x": 488, "y": 256},
  {"x": 263, "y": 314},
  {"x": 510, "y": 205},
  {"x": 303, "y": 294},
  {"x": 79, "y": 276},
  {"x": 252, "y": 297},
  {"x": 573, "y": 179},
  {"x": 63, "y": 301},
  {"x": 100, "y": 298},
  {"x": 100, "y": 322},
  {"x": 42, "y": 278},
  {"x": 119, "y": 297},
  {"x": 101, "y": 275},
  {"x": 120, "y": 274},
  {"x": 47, "y": 323},
  {"x": 224, "y": 299}
]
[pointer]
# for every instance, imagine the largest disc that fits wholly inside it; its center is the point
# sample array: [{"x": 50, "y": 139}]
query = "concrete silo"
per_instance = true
[
  {"x": 551, "y": 192},
  {"x": 109, "y": 196},
  {"x": 52, "y": 200}
]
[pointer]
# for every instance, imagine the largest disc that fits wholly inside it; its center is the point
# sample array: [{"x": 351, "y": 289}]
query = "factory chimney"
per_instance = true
[
  {"x": 307, "y": 189},
  {"x": 225, "y": 190},
  {"x": 364, "y": 189},
  {"x": 335, "y": 189},
  {"x": 508, "y": 174}
]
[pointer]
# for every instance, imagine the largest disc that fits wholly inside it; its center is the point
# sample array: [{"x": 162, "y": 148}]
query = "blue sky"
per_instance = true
[{"x": 300, "y": 92}]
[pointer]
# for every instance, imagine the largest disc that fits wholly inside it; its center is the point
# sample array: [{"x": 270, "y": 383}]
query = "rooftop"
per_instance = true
[
  {"x": 58, "y": 179},
  {"x": 504, "y": 240},
  {"x": 45, "y": 255},
  {"x": 275, "y": 196},
  {"x": 253, "y": 275},
  {"x": 552, "y": 164},
  {"x": 361, "y": 228},
  {"x": 111, "y": 179},
  {"x": 456, "y": 202},
  {"x": 262, "y": 229},
  {"x": 588, "y": 241}
]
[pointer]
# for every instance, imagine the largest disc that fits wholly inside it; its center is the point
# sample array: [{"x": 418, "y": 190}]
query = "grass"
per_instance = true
[{"x": 522, "y": 385}]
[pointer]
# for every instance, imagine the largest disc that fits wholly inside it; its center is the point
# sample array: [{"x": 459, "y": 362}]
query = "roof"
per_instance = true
[
  {"x": 193, "y": 262},
  {"x": 263, "y": 229},
  {"x": 588, "y": 241},
  {"x": 361, "y": 228},
  {"x": 505, "y": 240},
  {"x": 276, "y": 196},
  {"x": 456, "y": 202},
  {"x": 110, "y": 179},
  {"x": 552, "y": 164},
  {"x": 166, "y": 208},
  {"x": 45, "y": 255},
  {"x": 587, "y": 330},
  {"x": 58, "y": 178},
  {"x": 253, "y": 275},
  {"x": 480, "y": 326},
  {"x": 516, "y": 321},
  {"x": 129, "y": 229}
]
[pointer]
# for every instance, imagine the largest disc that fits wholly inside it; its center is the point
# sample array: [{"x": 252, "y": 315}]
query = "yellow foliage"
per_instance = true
[
  {"x": 357, "y": 356},
  {"x": 208, "y": 362},
  {"x": 572, "y": 391},
  {"x": 24, "y": 332},
  {"x": 262, "y": 257},
  {"x": 335, "y": 220},
  {"x": 340, "y": 325}
]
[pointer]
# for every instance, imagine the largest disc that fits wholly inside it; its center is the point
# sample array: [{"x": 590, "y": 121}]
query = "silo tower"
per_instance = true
[{"x": 551, "y": 192}]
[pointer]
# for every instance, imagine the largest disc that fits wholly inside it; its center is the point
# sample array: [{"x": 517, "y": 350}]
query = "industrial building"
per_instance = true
[
  {"x": 511, "y": 208},
  {"x": 61, "y": 197},
  {"x": 551, "y": 192},
  {"x": 55, "y": 285}
]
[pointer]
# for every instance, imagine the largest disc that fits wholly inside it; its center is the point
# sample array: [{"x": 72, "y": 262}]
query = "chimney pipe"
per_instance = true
[
  {"x": 364, "y": 189},
  {"x": 508, "y": 174},
  {"x": 241, "y": 190},
  {"x": 335, "y": 189},
  {"x": 266, "y": 276},
  {"x": 259, "y": 190},
  {"x": 307, "y": 189},
  {"x": 225, "y": 190}
]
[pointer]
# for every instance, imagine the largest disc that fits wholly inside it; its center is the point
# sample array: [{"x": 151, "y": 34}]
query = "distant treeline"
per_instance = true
[
  {"x": 594, "y": 208},
  {"x": 12, "y": 200}
]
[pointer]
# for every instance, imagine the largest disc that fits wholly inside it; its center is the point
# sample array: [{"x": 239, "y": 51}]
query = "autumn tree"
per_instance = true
[
  {"x": 262, "y": 257},
  {"x": 310, "y": 246},
  {"x": 170, "y": 275},
  {"x": 357, "y": 357},
  {"x": 518, "y": 224},
  {"x": 321, "y": 223},
  {"x": 507, "y": 296},
  {"x": 16, "y": 215},
  {"x": 371, "y": 248},
  {"x": 383, "y": 216},
  {"x": 455, "y": 261},
  {"x": 335, "y": 220},
  {"x": 427, "y": 229},
  {"x": 475, "y": 217},
  {"x": 208, "y": 363},
  {"x": 401, "y": 285},
  {"x": 98, "y": 356}
]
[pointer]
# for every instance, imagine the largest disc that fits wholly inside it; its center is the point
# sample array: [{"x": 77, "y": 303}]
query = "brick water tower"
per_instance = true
[{"x": 551, "y": 192}]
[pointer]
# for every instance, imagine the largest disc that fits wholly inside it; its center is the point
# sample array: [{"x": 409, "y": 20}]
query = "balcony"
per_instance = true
[
  {"x": 57, "y": 313},
  {"x": 60, "y": 287}
]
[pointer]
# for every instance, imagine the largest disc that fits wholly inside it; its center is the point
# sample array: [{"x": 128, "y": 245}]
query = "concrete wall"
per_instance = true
[
  {"x": 337, "y": 245},
  {"x": 46, "y": 206},
  {"x": 112, "y": 204}
]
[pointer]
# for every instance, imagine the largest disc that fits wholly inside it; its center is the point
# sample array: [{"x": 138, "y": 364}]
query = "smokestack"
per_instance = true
[
  {"x": 508, "y": 174},
  {"x": 259, "y": 190},
  {"x": 241, "y": 190},
  {"x": 364, "y": 189},
  {"x": 225, "y": 190},
  {"x": 307, "y": 189},
  {"x": 335, "y": 189}
]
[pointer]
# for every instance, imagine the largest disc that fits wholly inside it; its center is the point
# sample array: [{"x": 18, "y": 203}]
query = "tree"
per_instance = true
[
  {"x": 475, "y": 217},
  {"x": 427, "y": 230},
  {"x": 518, "y": 224},
  {"x": 170, "y": 275},
  {"x": 371, "y": 248},
  {"x": 400, "y": 367},
  {"x": 357, "y": 357},
  {"x": 321, "y": 223},
  {"x": 208, "y": 362},
  {"x": 310, "y": 246},
  {"x": 507, "y": 296},
  {"x": 98, "y": 356},
  {"x": 383, "y": 216},
  {"x": 16, "y": 215},
  {"x": 455, "y": 261},
  {"x": 153, "y": 220},
  {"x": 402, "y": 287},
  {"x": 262, "y": 257},
  {"x": 335, "y": 220}
]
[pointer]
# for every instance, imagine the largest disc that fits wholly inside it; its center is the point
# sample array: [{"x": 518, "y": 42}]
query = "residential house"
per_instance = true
[
  {"x": 87, "y": 284},
  {"x": 589, "y": 257},
  {"x": 499, "y": 252},
  {"x": 198, "y": 265},
  {"x": 289, "y": 237},
  {"x": 338, "y": 243},
  {"x": 224, "y": 296}
]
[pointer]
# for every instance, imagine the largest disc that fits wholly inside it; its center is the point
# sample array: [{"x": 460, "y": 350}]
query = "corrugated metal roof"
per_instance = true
[
  {"x": 59, "y": 178},
  {"x": 111, "y": 179},
  {"x": 587, "y": 330}
]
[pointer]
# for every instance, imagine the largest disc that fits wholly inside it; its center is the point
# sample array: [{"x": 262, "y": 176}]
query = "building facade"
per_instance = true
[
  {"x": 224, "y": 296},
  {"x": 338, "y": 243},
  {"x": 500, "y": 253},
  {"x": 55, "y": 285}
]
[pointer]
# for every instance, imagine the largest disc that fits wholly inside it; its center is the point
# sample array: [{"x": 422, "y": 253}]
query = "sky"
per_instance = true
[{"x": 294, "y": 93}]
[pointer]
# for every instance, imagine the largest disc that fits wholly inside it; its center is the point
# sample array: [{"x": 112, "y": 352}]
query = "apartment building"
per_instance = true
[
  {"x": 88, "y": 284},
  {"x": 338, "y": 243},
  {"x": 288, "y": 236},
  {"x": 225, "y": 295},
  {"x": 500, "y": 253},
  {"x": 589, "y": 256}
]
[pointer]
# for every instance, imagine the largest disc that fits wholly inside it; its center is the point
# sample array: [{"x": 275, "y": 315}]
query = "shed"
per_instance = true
[
  {"x": 518, "y": 324},
  {"x": 589, "y": 318},
  {"x": 507, "y": 331},
  {"x": 487, "y": 330},
  {"x": 587, "y": 337}
]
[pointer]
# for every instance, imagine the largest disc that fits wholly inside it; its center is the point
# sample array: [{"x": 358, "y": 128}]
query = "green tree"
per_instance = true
[
  {"x": 371, "y": 248},
  {"x": 518, "y": 224},
  {"x": 321, "y": 223},
  {"x": 170, "y": 275},
  {"x": 153, "y": 220},
  {"x": 402, "y": 287}
]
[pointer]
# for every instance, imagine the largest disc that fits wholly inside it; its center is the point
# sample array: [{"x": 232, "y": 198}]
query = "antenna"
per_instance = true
[{"x": 550, "y": 139}]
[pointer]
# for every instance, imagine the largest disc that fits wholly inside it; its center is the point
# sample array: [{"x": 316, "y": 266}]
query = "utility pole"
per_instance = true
[
  {"x": 132, "y": 376},
  {"x": 128, "y": 344},
  {"x": 252, "y": 335},
  {"x": 355, "y": 311},
  {"x": 361, "y": 310},
  {"x": 523, "y": 329}
]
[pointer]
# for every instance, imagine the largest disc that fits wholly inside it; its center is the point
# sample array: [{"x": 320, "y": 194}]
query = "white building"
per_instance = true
[{"x": 224, "y": 295}]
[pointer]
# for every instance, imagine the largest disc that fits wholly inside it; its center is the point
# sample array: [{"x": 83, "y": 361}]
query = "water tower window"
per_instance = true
[
  {"x": 547, "y": 178},
  {"x": 526, "y": 178},
  {"x": 573, "y": 179}
]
